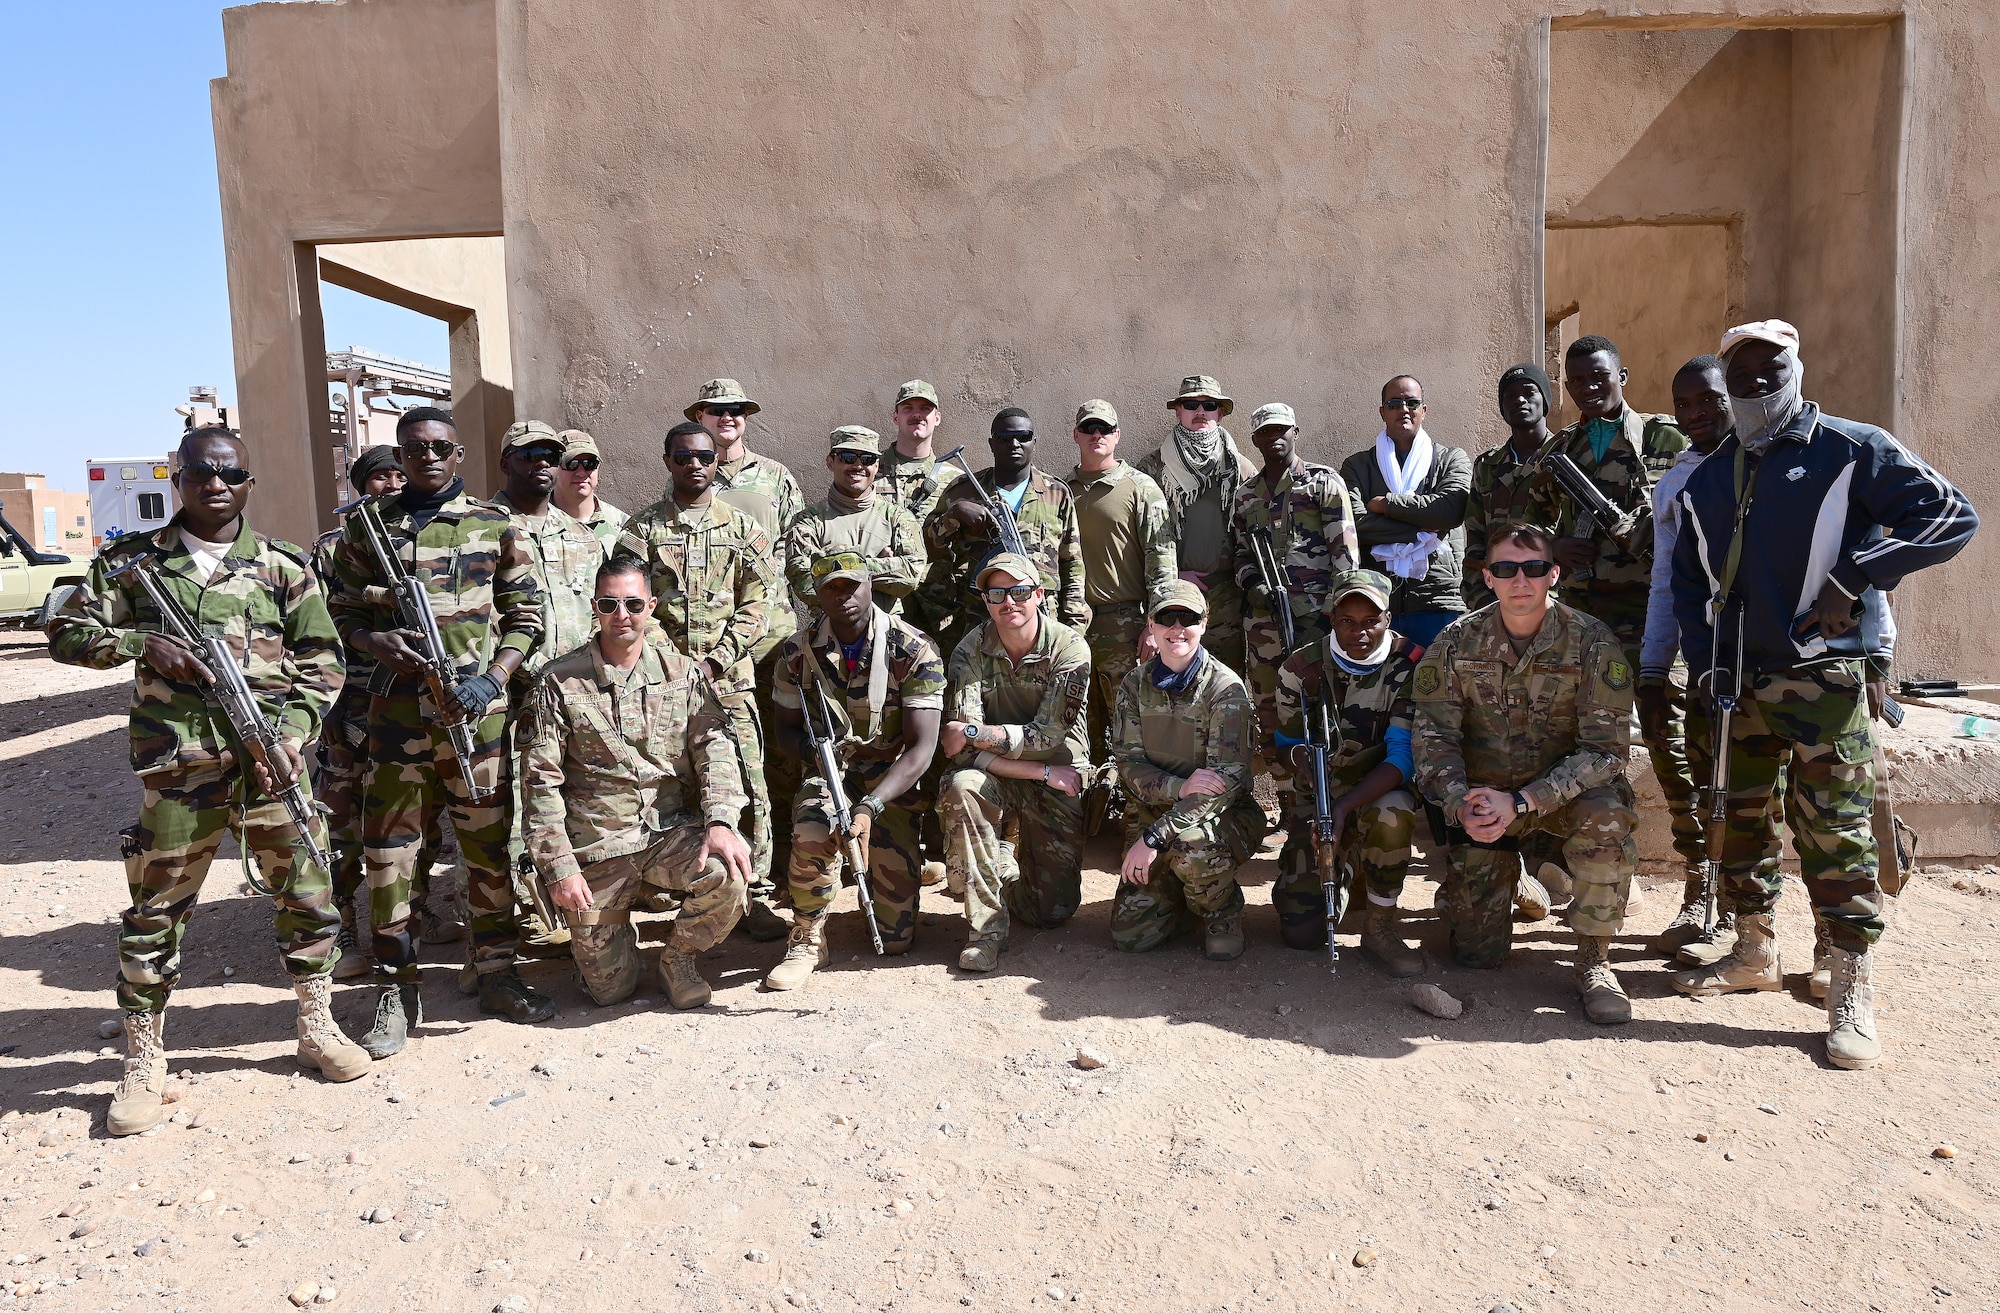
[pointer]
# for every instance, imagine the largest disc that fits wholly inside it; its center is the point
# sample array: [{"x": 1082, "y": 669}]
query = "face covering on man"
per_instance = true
[{"x": 1759, "y": 419}]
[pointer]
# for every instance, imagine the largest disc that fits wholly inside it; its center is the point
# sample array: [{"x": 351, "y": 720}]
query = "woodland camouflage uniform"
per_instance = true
[{"x": 1047, "y": 521}]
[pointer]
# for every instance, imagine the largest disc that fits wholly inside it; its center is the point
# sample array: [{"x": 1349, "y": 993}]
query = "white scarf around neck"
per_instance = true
[
  {"x": 1367, "y": 665},
  {"x": 1404, "y": 477}
]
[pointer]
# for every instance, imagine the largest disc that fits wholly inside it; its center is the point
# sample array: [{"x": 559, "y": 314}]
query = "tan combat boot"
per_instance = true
[
  {"x": 1604, "y": 1000},
  {"x": 1531, "y": 899},
  {"x": 138, "y": 1105},
  {"x": 931, "y": 874},
  {"x": 1556, "y": 880},
  {"x": 1822, "y": 977},
  {"x": 1752, "y": 964},
  {"x": 685, "y": 987},
  {"x": 1381, "y": 940},
  {"x": 354, "y": 962},
  {"x": 981, "y": 953},
  {"x": 1706, "y": 950},
  {"x": 1223, "y": 940},
  {"x": 805, "y": 952},
  {"x": 1686, "y": 927},
  {"x": 322, "y": 1043},
  {"x": 1851, "y": 1041}
]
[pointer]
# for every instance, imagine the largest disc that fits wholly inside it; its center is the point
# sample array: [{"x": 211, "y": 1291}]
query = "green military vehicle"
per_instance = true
[{"x": 31, "y": 581}]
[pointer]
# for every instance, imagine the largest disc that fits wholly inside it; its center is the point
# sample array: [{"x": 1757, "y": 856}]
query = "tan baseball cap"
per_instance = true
[
  {"x": 1775, "y": 331},
  {"x": 1179, "y": 595},
  {"x": 526, "y": 432},
  {"x": 1203, "y": 385},
  {"x": 1273, "y": 412},
  {"x": 721, "y": 392},
  {"x": 916, "y": 390},
  {"x": 578, "y": 443},
  {"x": 1096, "y": 408},
  {"x": 1020, "y": 567},
  {"x": 853, "y": 437}
]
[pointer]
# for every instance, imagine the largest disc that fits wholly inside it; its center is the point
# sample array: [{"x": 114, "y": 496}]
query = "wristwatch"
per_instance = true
[
  {"x": 874, "y": 804},
  {"x": 1521, "y": 807},
  {"x": 972, "y": 733}
]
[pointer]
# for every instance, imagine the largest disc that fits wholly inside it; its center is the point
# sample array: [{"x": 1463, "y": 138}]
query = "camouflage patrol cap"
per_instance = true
[
  {"x": 853, "y": 437},
  {"x": 916, "y": 390},
  {"x": 1096, "y": 408},
  {"x": 1273, "y": 413},
  {"x": 1360, "y": 583},
  {"x": 1202, "y": 385},
  {"x": 527, "y": 432},
  {"x": 1180, "y": 595},
  {"x": 838, "y": 565},
  {"x": 578, "y": 443},
  {"x": 1020, "y": 567},
  {"x": 721, "y": 392}
]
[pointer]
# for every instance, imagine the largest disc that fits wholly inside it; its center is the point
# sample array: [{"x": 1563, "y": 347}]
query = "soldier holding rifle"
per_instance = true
[
  {"x": 867, "y": 690},
  {"x": 258, "y": 599}
]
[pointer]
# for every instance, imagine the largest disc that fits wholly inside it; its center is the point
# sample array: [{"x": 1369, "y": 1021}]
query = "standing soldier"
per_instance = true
[
  {"x": 1128, "y": 560},
  {"x": 1199, "y": 468},
  {"x": 881, "y": 684},
  {"x": 1843, "y": 509},
  {"x": 856, "y": 516},
  {"x": 962, "y": 532},
  {"x": 1504, "y": 477},
  {"x": 1184, "y": 723},
  {"x": 1409, "y": 508},
  {"x": 576, "y": 489},
  {"x": 260, "y": 597},
  {"x": 1018, "y": 689},
  {"x": 1360, "y": 675},
  {"x": 344, "y": 736},
  {"x": 909, "y": 477},
  {"x": 710, "y": 565},
  {"x": 481, "y": 586},
  {"x": 633, "y": 780},
  {"x": 1524, "y": 714},
  {"x": 1301, "y": 512}
]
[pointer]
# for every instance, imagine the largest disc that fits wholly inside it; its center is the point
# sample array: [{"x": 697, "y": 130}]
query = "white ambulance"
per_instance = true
[{"x": 130, "y": 495}]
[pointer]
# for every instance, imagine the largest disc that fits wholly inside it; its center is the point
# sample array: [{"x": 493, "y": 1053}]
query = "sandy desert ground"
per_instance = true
[{"x": 1263, "y": 1136}]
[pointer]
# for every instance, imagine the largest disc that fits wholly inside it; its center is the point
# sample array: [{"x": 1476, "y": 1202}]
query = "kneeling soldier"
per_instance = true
[
  {"x": 631, "y": 779},
  {"x": 1524, "y": 713},
  {"x": 258, "y": 594},
  {"x": 1361, "y": 676},
  {"x": 1182, "y": 733},
  {"x": 878, "y": 686}
]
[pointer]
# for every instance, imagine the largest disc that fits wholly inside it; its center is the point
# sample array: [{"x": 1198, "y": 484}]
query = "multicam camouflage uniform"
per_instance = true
[
  {"x": 1047, "y": 521},
  {"x": 1121, "y": 517},
  {"x": 881, "y": 533},
  {"x": 1162, "y": 739},
  {"x": 265, "y": 602},
  {"x": 343, "y": 749},
  {"x": 1310, "y": 524},
  {"x": 481, "y": 584},
  {"x": 1362, "y": 710},
  {"x": 1505, "y": 489},
  {"x": 1040, "y": 706},
  {"x": 871, "y": 739},
  {"x": 1554, "y": 725},
  {"x": 605, "y": 523},
  {"x": 915, "y": 484},
  {"x": 624, "y": 771},
  {"x": 718, "y": 584},
  {"x": 1199, "y": 509},
  {"x": 765, "y": 491}
]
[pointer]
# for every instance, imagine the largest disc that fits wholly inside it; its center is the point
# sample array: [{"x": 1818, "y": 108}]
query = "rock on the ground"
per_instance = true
[
  {"x": 1429, "y": 998},
  {"x": 304, "y": 1293},
  {"x": 1089, "y": 1059}
]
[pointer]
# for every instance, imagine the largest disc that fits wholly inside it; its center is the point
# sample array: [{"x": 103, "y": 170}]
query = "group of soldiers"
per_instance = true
[{"x": 935, "y": 675}]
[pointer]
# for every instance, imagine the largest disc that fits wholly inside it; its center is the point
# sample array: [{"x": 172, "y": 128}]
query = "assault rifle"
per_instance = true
[
  {"x": 1277, "y": 582},
  {"x": 1318, "y": 745},
  {"x": 1594, "y": 511},
  {"x": 228, "y": 691},
  {"x": 1003, "y": 519},
  {"x": 820, "y": 739},
  {"x": 1722, "y": 711},
  {"x": 413, "y": 611}
]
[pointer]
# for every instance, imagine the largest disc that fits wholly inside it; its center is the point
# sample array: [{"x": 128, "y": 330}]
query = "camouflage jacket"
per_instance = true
[
  {"x": 1047, "y": 521},
  {"x": 711, "y": 568},
  {"x": 1123, "y": 523},
  {"x": 1504, "y": 487},
  {"x": 1363, "y": 708},
  {"x": 1161, "y": 739},
  {"x": 909, "y": 481},
  {"x": 607, "y": 522},
  {"x": 1039, "y": 705},
  {"x": 609, "y": 762},
  {"x": 263, "y": 600},
  {"x": 566, "y": 554},
  {"x": 360, "y": 666},
  {"x": 1550, "y": 725},
  {"x": 1645, "y": 448},
  {"x": 883, "y": 535},
  {"x": 765, "y": 491},
  {"x": 870, "y": 731},
  {"x": 1311, "y": 524},
  {"x": 477, "y": 573}
]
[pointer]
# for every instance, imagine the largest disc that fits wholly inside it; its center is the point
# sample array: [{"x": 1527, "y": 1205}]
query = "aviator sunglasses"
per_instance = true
[
  {"x": 1018, "y": 593},
  {"x": 609, "y": 605}
]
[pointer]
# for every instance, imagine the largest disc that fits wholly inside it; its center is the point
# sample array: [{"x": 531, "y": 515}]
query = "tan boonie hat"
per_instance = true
[
  {"x": 1360, "y": 583},
  {"x": 839, "y": 565},
  {"x": 1775, "y": 331},
  {"x": 1273, "y": 412},
  {"x": 1096, "y": 408},
  {"x": 1020, "y": 567},
  {"x": 721, "y": 392},
  {"x": 578, "y": 443},
  {"x": 526, "y": 432},
  {"x": 853, "y": 437},
  {"x": 1201, "y": 385},
  {"x": 917, "y": 390},
  {"x": 1179, "y": 595}
]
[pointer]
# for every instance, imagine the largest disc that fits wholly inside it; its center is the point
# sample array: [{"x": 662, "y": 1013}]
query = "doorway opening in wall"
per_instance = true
[
  {"x": 1700, "y": 177},
  {"x": 387, "y": 360}
]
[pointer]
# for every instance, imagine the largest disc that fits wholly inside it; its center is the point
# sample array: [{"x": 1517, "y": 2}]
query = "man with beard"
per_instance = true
[
  {"x": 1199, "y": 469},
  {"x": 1409, "y": 508}
]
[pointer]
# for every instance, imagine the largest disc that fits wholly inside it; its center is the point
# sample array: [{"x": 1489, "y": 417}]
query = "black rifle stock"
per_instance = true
[
  {"x": 1277, "y": 582},
  {"x": 1319, "y": 745}
]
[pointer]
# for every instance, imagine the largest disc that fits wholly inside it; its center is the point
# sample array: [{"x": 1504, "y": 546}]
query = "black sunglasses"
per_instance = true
[
  {"x": 1176, "y": 619},
  {"x": 694, "y": 458},
  {"x": 856, "y": 457},
  {"x": 233, "y": 475},
  {"x": 1508, "y": 569},
  {"x": 1199, "y": 403},
  {"x": 438, "y": 447},
  {"x": 580, "y": 463},
  {"x": 1018, "y": 593},
  {"x": 1095, "y": 428},
  {"x": 538, "y": 455},
  {"x": 609, "y": 605},
  {"x": 723, "y": 410},
  {"x": 1403, "y": 403}
]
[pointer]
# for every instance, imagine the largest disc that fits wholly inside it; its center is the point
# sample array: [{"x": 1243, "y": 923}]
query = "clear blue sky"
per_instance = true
[{"x": 114, "y": 289}]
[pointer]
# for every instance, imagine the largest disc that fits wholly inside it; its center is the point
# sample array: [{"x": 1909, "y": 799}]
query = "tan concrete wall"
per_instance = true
[{"x": 1614, "y": 274}]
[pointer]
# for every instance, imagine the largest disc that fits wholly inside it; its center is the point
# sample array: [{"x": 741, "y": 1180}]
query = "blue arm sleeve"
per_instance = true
[{"x": 1400, "y": 754}]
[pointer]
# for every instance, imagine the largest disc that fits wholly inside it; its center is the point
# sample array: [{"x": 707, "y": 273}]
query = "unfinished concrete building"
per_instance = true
[{"x": 1035, "y": 204}]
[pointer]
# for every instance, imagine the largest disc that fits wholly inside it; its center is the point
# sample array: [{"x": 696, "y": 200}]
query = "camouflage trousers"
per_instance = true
[
  {"x": 1038, "y": 882},
  {"x": 1113, "y": 636},
  {"x": 1374, "y": 847},
  {"x": 412, "y": 778},
  {"x": 167, "y": 856},
  {"x": 603, "y": 943},
  {"x": 781, "y": 786},
  {"x": 1671, "y": 767},
  {"x": 1477, "y": 900},
  {"x": 1810, "y": 727},
  {"x": 894, "y": 856},
  {"x": 338, "y": 785},
  {"x": 1192, "y": 879},
  {"x": 747, "y": 728},
  {"x": 1264, "y": 649}
]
